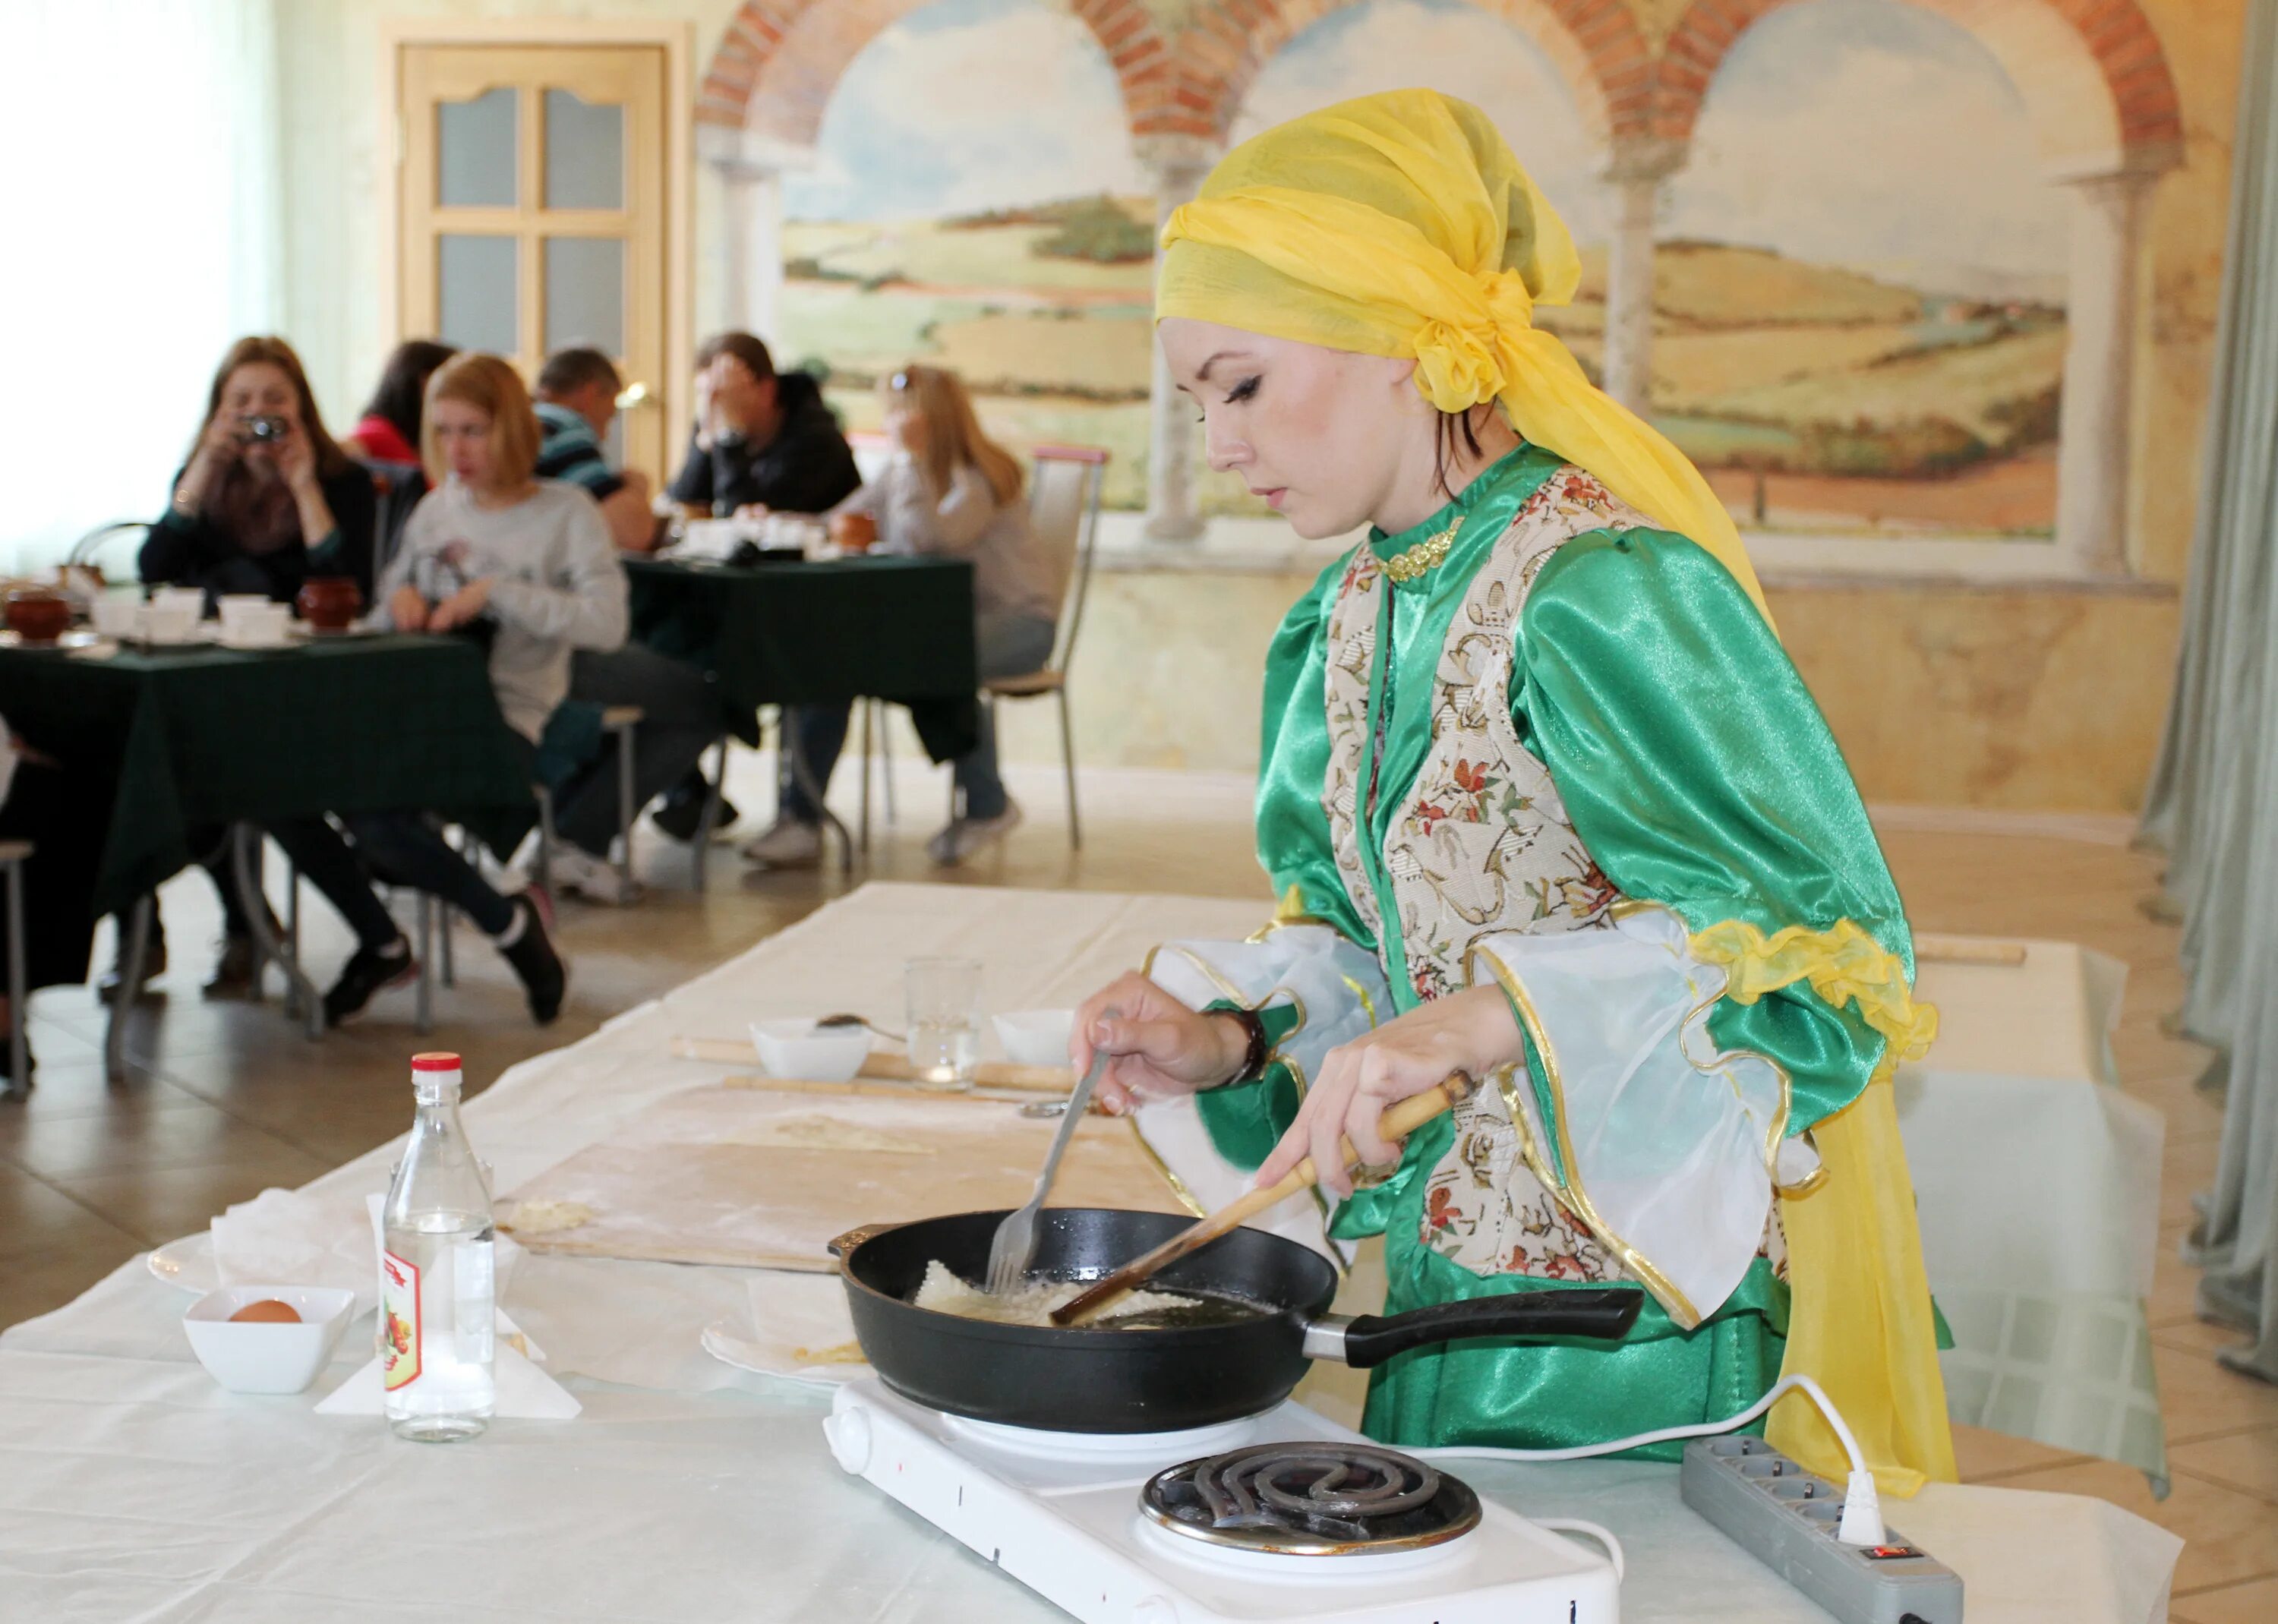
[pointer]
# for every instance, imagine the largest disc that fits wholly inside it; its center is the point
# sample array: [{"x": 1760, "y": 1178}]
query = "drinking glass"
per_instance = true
[{"x": 944, "y": 1021}]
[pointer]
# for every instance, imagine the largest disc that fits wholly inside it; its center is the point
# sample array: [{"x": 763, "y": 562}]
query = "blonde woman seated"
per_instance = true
[{"x": 950, "y": 491}]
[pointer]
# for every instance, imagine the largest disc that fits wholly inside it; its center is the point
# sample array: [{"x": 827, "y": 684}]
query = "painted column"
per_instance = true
[
  {"x": 750, "y": 170},
  {"x": 1636, "y": 174},
  {"x": 1178, "y": 165},
  {"x": 2103, "y": 316}
]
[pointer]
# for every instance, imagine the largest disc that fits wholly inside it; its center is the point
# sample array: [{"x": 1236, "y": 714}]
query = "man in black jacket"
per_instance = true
[{"x": 763, "y": 438}]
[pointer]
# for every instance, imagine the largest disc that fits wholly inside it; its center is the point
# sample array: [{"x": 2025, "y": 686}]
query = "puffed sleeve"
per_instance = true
[{"x": 1701, "y": 774}]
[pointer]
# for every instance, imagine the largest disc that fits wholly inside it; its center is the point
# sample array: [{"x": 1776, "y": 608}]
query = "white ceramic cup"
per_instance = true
[
  {"x": 167, "y": 622},
  {"x": 192, "y": 598},
  {"x": 117, "y": 615}
]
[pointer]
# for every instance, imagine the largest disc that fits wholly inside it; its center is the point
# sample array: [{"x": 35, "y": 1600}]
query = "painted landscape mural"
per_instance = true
[{"x": 1860, "y": 287}]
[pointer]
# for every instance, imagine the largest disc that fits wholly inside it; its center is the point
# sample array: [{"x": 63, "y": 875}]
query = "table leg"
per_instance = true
[
  {"x": 134, "y": 953},
  {"x": 244, "y": 847},
  {"x": 803, "y": 775}
]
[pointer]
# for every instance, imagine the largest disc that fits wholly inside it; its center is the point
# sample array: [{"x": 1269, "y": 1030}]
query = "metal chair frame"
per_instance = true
[{"x": 13, "y": 856}]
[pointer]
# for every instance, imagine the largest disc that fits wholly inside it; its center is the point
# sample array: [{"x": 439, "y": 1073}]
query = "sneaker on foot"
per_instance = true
[
  {"x": 234, "y": 968},
  {"x": 790, "y": 844},
  {"x": 369, "y": 970},
  {"x": 581, "y": 873},
  {"x": 544, "y": 973},
  {"x": 961, "y": 839},
  {"x": 681, "y": 809}
]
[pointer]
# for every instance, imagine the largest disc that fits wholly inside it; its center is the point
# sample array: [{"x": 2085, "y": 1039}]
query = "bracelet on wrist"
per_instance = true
[{"x": 1257, "y": 1049}]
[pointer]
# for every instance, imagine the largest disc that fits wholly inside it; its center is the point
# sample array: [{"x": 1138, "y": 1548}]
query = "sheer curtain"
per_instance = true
[
  {"x": 140, "y": 139},
  {"x": 2213, "y": 805}
]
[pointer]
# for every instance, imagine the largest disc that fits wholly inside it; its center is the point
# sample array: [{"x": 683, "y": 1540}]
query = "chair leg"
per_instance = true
[
  {"x": 714, "y": 794},
  {"x": 19, "y": 1014},
  {"x": 1067, "y": 767},
  {"x": 545, "y": 837},
  {"x": 886, "y": 759},
  {"x": 626, "y": 810},
  {"x": 423, "y": 1018}
]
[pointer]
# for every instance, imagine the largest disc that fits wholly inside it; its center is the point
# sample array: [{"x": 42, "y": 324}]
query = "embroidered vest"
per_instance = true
[{"x": 1479, "y": 843}]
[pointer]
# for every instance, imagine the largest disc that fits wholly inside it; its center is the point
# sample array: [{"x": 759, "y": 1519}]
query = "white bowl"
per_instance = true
[
  {"x": 1036, "y": 1037},
  {"x": 268, "y": 1358},
  {"x": 815, "y": 1054}
]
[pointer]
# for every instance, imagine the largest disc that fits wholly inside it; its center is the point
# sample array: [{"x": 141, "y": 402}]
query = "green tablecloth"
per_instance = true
[
  {"x": 895, "y": 628},
  {"x": 198, "y": 736}
]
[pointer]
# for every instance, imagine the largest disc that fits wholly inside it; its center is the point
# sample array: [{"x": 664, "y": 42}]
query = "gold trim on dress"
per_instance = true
[
  {"x": 1178, "y": 1184},
  {"x": 1426, "y": 556}
]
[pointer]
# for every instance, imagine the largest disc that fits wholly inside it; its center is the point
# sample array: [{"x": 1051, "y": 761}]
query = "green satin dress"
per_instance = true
[{"x": 1699, "y": 774}]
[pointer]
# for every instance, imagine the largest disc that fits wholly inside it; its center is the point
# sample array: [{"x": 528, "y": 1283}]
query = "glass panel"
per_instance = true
[
  {"x": 584, "y": 152},
  {"x": 475, "y": 141},
  {"x": 477, "y": 275},
  {"x": 585, "y": 294}
]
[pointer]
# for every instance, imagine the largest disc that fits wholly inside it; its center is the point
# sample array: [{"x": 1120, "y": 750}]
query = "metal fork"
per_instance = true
[{"x": 1014, "y": 1244}]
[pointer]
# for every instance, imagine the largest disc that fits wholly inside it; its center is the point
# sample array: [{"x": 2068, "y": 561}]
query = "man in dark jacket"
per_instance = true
[{"x": 763, "y": 438}]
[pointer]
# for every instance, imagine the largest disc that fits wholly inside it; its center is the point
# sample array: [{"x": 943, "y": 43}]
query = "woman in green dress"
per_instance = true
[{"x": 1548, "y": 804}]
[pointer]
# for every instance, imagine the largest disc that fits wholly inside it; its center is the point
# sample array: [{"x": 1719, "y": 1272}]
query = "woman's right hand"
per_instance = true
[
  {"x": 1160, "y": 1047},
  {"x": 408, "y": 609}
]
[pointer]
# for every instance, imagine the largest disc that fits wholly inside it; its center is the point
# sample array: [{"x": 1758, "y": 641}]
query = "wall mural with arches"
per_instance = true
[{"x": 1871, "y": 262}]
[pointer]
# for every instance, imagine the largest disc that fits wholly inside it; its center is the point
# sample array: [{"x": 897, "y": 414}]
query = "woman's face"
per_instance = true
[
  {"x": 1323, "y": 435},
  {"x": 462, "y": 435},
  {"x": 905, "y": 423},
  {"x": 259, "y": 389}
]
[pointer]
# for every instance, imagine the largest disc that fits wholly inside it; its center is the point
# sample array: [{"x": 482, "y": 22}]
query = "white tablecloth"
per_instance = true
[{"x": 132, "y": 1488}]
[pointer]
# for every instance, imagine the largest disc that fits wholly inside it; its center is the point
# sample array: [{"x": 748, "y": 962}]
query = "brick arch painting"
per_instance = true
[{"x": 1966, "y": 384}]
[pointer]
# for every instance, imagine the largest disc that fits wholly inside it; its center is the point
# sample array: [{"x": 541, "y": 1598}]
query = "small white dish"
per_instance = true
[
  {"x": 815, "y": 1054},
  {"x": 263, "y": 1357},
  {"x": 1036, "y": 1037},
  {"x": 117, "y": 615},
  {"x": 187, "y": 1264}
]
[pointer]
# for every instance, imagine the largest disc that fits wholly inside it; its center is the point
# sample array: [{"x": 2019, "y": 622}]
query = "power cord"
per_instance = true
[{"x": 1862, "y": 1503}]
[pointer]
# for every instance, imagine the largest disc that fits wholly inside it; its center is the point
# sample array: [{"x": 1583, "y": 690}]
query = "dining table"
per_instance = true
[
  {"x": 790, "y": 632},
  {"x": 200, "y": 736},
  {"x": 691, "y": 1489}
]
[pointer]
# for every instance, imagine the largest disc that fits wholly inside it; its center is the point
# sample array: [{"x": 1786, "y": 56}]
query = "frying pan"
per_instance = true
[{"x": 1093, "y": 1379}]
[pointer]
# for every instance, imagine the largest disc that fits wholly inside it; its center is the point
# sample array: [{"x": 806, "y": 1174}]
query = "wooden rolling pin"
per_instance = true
[
  {"x": 1396, "y": 1124},
  {"x": 892, "y": 1067}
]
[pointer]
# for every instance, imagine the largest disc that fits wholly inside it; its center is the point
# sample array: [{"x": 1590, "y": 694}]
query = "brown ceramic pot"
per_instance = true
[
  {"x": 329, "y": 603},
  {"x": 855, "y": 532},
  {"x": 37, "y": 614}
]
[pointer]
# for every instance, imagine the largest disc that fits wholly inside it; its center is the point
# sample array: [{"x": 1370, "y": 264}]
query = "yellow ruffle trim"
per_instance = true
[{"x": 1843, "y": 965}]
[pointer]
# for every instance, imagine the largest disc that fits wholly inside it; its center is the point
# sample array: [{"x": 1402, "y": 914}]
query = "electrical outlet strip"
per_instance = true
[{"x": 1786, "y": 1518}]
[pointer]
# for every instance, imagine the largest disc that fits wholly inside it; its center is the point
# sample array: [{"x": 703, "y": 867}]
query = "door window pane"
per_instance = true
[
  {"x": 477, "y": 276},
  {"x": 584, "y": 152},
  {"x": 585, "y": 294},
  {"x": 475, "y": 143}
]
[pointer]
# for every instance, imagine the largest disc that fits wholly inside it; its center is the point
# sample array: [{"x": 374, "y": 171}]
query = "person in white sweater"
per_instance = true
[
  {"x": 952, "y": 492},
  {"x": 526, "y": 568}
]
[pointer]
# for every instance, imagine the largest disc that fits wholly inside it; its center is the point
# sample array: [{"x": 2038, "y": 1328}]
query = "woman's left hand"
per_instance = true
[
  {"x": 1471, "y": 1030},
  {"x": 462, "y": 606}
]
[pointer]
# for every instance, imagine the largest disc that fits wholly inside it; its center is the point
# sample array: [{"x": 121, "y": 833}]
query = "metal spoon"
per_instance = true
[{"x": 1014, "y": 1244}]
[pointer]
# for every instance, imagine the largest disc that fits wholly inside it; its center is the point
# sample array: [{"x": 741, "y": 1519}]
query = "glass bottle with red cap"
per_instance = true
[{"x": 437, "y": 1297}]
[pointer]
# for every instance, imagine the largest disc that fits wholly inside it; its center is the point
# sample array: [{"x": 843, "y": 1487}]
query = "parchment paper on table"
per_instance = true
[
  {"x": 546, "y": 1217},
  {"x": 826, "y": 1133}
]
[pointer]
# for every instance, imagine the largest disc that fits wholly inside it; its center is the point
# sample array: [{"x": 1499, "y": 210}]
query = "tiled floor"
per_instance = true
[{"x": 222, "y": 1099}]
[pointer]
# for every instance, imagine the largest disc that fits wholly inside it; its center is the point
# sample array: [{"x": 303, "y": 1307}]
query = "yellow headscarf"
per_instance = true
[{"x": 1400, "y": 225}]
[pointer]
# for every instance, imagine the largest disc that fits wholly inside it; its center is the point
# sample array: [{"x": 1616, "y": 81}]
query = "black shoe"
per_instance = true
[
  {"x": 234, "y": 971},
  {"x": 154, "y": 966},
  {"x": 545, "y": 975},
  {"x": 681, "y": 809},
  {"x": 369, "y": 970}
]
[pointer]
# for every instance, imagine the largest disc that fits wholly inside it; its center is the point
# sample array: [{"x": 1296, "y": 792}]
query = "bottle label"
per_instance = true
[{"x": 398, "y": 1320}]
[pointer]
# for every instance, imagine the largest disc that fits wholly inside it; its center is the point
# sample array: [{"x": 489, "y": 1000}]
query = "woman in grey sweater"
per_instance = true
[{"x": 950, "y": 491}]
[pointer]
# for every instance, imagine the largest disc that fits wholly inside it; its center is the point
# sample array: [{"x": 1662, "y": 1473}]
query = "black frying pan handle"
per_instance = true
[{"x": 1605, "y": 1312}]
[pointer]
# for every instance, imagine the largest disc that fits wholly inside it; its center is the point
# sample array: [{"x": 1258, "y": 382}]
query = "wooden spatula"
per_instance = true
[{"x": 1396, "y": 1124}]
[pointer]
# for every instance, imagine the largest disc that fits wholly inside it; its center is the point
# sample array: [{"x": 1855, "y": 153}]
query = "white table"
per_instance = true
[{"x": 132, "y": 1488}]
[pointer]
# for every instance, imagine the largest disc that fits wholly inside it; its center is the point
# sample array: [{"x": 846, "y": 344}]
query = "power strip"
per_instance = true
[{"x": 1786, "y": 1517}]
